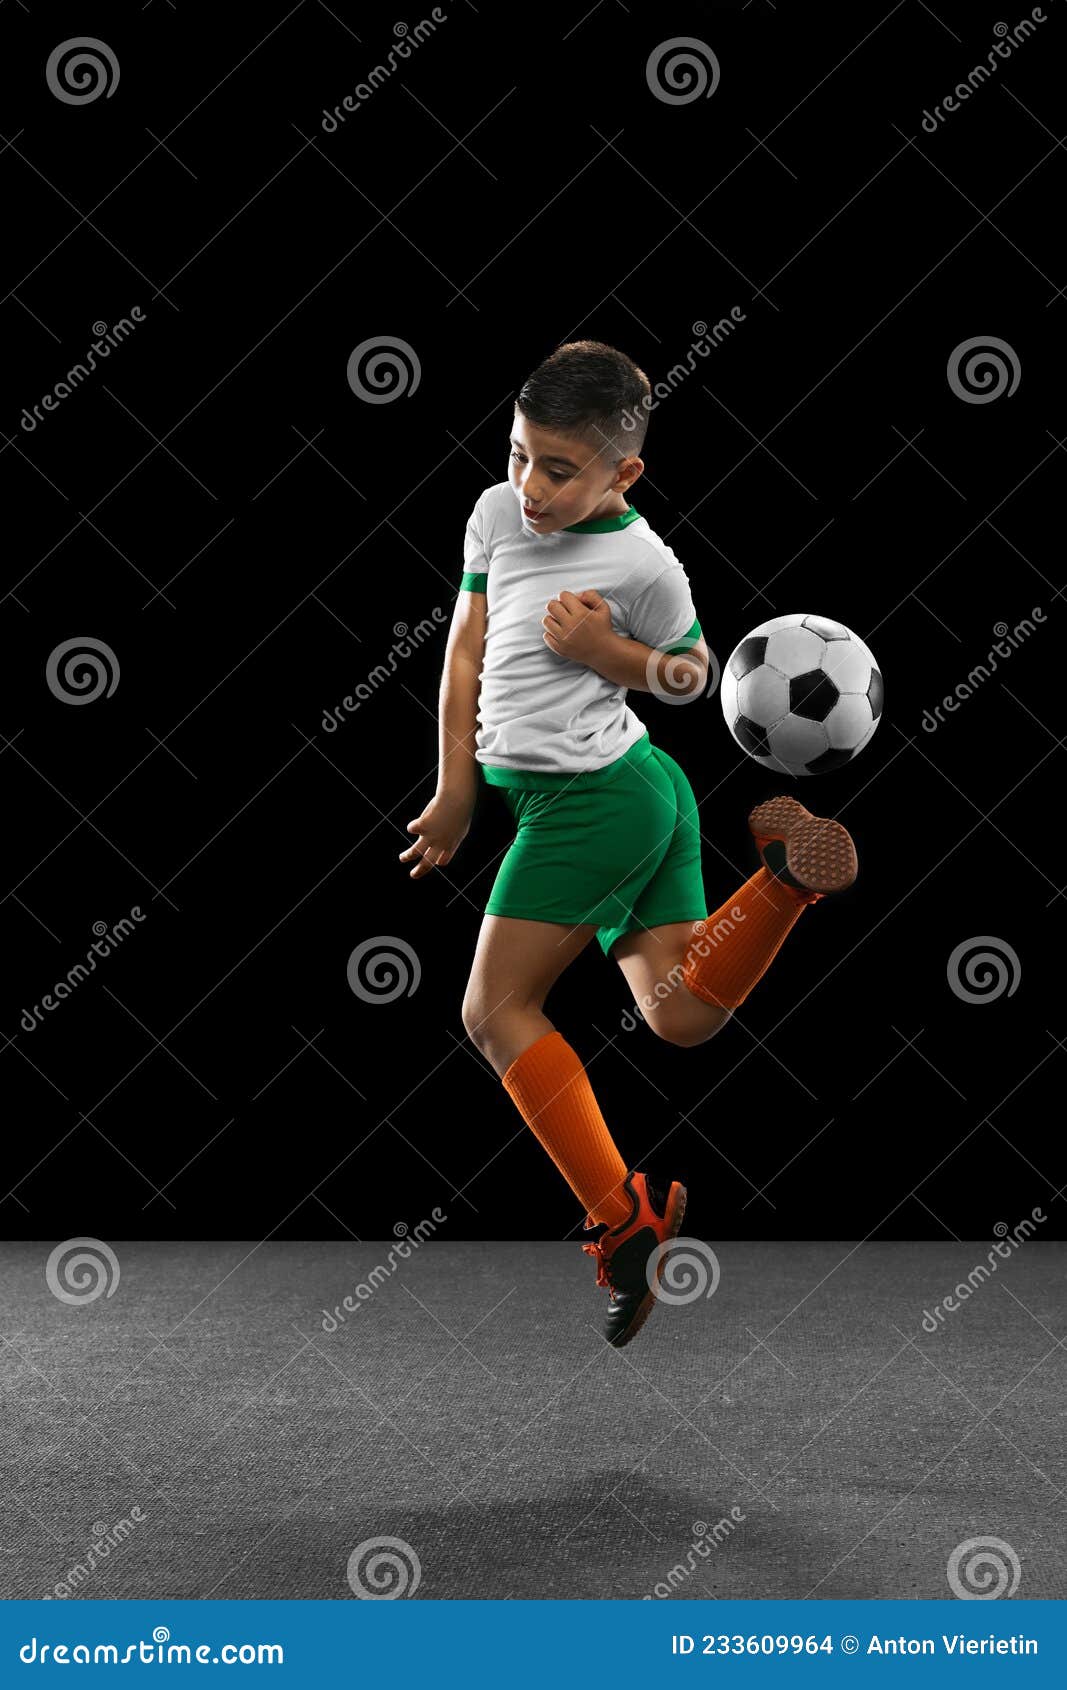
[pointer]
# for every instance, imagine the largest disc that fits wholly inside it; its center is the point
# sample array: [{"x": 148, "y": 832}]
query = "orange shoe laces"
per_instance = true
[{"x": 603, "y": 1272}]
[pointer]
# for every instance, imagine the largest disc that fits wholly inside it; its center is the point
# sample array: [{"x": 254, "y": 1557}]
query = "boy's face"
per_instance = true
[{"x": 559, "y": 480}]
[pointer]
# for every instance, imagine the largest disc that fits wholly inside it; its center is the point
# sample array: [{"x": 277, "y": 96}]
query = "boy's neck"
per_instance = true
[{"x": 616, "y": 506}]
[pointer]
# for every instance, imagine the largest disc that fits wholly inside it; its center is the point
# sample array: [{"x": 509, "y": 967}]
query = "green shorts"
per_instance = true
[{"x": 619, "y": 847}]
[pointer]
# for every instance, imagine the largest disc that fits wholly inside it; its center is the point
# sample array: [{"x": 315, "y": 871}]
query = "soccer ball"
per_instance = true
[{"x": 801, "y": 694}]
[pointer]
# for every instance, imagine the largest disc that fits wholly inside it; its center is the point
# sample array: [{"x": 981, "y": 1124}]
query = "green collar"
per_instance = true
[{"x": 604, "y": 524}]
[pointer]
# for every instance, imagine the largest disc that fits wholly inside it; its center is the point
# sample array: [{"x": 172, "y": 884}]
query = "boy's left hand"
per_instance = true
[{"x": 578, "y": 625}]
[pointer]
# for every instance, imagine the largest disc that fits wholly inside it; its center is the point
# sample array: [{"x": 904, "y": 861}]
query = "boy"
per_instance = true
[{"x": 568, "y": 600}]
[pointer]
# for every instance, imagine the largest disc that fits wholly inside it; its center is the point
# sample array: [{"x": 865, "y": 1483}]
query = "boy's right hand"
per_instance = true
[{"x": 440, "y": 831}]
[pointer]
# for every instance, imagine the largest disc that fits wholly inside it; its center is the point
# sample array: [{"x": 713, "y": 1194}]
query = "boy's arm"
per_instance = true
[
  {"x": 443, "y": 825},
  {"x": 578, "y": 626},
  {"x": 457, "y": 768}
]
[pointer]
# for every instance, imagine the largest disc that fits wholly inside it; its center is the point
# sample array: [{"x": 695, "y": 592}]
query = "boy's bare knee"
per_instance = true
[
  {"x": 491, "y": 1026},
  {"x": 477, "y": 1020},
  {"x": 683, "y": 1037},
  {"x": 718, "y": 1020},
  {"x": 682, "y": 1028}
]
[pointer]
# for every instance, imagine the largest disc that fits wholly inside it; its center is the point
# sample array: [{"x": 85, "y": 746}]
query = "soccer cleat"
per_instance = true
[
  {"x": 808, "y": 853},
  {"x": 623, "y": 1254}
]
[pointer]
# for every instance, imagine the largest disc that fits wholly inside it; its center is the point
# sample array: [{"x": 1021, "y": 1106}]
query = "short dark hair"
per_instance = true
[{"x": 593, "y": 392}]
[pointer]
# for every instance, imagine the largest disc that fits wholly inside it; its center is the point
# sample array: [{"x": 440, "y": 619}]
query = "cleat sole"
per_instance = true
[{"x": 819, "y": 853}]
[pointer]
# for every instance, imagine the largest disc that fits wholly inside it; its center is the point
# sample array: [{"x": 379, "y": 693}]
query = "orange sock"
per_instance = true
[
  {"x": 550, "y": 1088},
  {"x": 740, "y": 940}
]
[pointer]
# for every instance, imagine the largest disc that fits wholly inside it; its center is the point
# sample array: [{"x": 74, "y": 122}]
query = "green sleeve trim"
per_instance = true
[
  {"x": 472, "y": 583},
  {"x": 693, "y": 635}
]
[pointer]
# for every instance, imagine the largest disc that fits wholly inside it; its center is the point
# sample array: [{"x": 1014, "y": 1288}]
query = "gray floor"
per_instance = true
[{"x": 470, "y": 1410}]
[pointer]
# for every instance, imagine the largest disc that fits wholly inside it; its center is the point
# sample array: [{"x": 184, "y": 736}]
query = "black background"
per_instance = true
[{"x": 219, "y": 508}]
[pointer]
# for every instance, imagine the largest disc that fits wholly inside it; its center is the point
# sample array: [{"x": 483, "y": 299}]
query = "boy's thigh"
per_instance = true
[
  {"x": 673, "y": 894},
  {"x": 516, "y": 961},
  {"x": 652, "y": 963},
  {"x": 582, "y": 858},
  {"x": 651, "y": 958}
]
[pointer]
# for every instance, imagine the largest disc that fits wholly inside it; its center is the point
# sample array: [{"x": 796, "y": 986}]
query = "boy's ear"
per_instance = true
[{"x": 629, "y": 471}]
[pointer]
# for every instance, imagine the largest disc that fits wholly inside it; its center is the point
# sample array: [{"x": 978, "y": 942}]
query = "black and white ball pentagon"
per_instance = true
[{"x": 801, "y": 694}]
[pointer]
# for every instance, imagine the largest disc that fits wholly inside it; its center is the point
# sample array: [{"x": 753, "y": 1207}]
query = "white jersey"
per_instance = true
[{"x": 537, "y": 711}]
